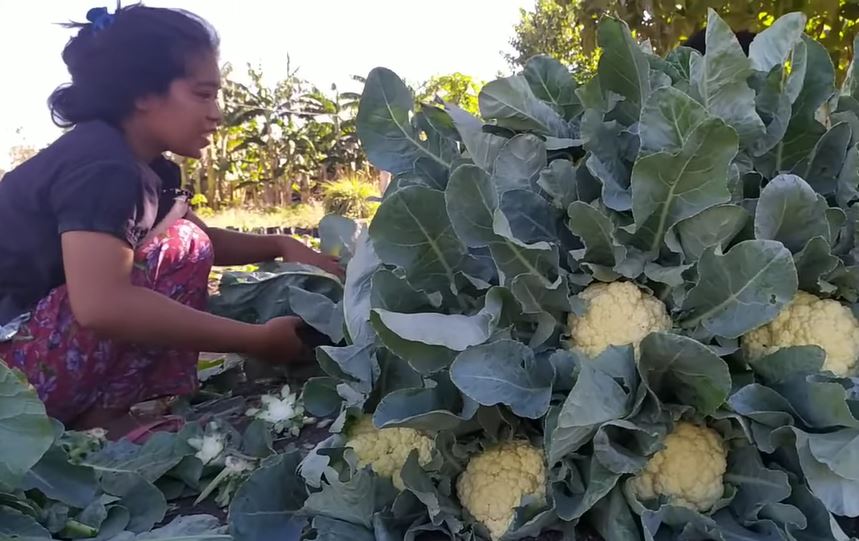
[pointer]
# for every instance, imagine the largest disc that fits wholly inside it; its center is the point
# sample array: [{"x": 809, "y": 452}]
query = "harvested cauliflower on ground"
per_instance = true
[
  {"x": 386, "y": 450},
  {"x": 618, "y": 313},
  {"x": 495, "y": 481},
  {"x": 688, "y": 470},
  {"x": 809, "y": 320}
]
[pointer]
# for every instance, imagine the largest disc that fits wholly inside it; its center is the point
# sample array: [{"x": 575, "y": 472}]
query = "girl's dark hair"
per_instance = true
[
  {"x": 118, "y": 58},
  {"x": 697, "y": 40}
]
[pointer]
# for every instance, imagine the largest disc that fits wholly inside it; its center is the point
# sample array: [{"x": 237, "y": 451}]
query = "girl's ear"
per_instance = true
[{"x": 146, "y": 103}]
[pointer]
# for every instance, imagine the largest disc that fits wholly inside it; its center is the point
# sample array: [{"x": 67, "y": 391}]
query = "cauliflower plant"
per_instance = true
[
  {"x": 808, "y": 320},
  {"x": 495, "y": 481},
  {"x": 285, "y": 411},
  {"x": 618, "y": 313},
  {"x": 211, "y": 445},
  {"x": 386, "y": 450},
  {"x": 688, "y": 471}
]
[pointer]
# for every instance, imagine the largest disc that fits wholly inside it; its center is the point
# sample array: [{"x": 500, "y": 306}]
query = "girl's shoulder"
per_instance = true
[{"x": 89, "y": 143}]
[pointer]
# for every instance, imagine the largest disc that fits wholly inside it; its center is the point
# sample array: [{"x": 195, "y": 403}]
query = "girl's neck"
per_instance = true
[{"x": 142, "y": 145}]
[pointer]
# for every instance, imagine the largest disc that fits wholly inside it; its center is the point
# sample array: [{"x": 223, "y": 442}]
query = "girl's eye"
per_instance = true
[{"x": 206, "y": 95}]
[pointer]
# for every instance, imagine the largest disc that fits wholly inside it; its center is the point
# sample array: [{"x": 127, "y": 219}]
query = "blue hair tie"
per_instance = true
[{"x": 100, "y": 18}]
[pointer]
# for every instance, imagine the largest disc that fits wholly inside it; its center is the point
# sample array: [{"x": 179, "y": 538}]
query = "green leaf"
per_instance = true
[
  {"x": 505, "y": 372},
  {"x": 847, "y": 187},
  {"x": 668, "y": 119},
  {"x": 440, "y": 506},
  {"x": 756, "y": 485},
  {"x": 320, "y": 396},
  {"x": 430, "y": 341},
  {"x": 567, "y": 184},
  {"x": 670, "y": 187},
  {"x": 813, "y": 264},
  {"x": 623, "y": 446},
  {"x": 720, "y": 76},
  {"x": 529, "y": 216},
  {"x": 819, "y": 400},
  {"x": 146, "y": 504},
  {"x": 596, "y": 232},
  {"x": 328, "y": 529},
  {"x": 318, "y": 311},
  {"x": 612, "y": 518},
  {"x": 430, "y": 409},
  {"x": 817, "y": 85},
  {"x": 471, "y": 200},
  {"x": 436, "y": 134},
  {"x": 597, "y": 479},
  {"x": 411, "y": 230},
  {"x": 682, "y": 370},
  {"x": 773, "y": 46},
  {"x": 838, "y": 494},
  {"x": 774, "y": 107},
  {"x": 353, "y": 500},
  {"x": 742, "y": 289},
  {"x": 58, "y": 479},
  {"x": 358, "y": 289},
  {"x": 791, "y": 212},
  {"x": 256, "y": 297},
  {"x": 714, "y": 227},
  {"x": 519, "y": 163},
  {"x": 604, "y": 141},
  {"x": 265, "y": 506},
  {"x": 512, "y": 104},
  {"x": 514, "y": 257},
  {"x": 787, "y": 363},
  {"x": 394, "y": 293},
  {"x": 623, "y": 66},
  {"x": 183, "y": 528},
  {"x": 482, "y": 147},
  {"x": 603, "y": 390},
  {"x": 355, "y": 362},
  {"x": 552, "y": 82},
  {"x": 384, "y": 127},
  {"x": 16, "y": 525},
  {"x": 838, "y": 450},
  {"x": 337, "y": 236},
  {"x": 820, "y": 522},
  {"x": 26, "y": 432},
  {"x": 826, "y": 160}
]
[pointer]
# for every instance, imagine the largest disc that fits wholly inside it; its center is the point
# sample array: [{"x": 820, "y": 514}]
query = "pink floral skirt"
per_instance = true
[{"x": 73, "y": 369}]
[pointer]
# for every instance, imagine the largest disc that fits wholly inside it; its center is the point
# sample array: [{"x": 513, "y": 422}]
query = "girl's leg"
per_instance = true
[{"x": 85, "y": 379}]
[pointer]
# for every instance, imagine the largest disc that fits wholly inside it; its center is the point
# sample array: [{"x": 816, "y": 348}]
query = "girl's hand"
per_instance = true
[
  {"x": 278, "y": 341},
  {"x": 297, "y": 252}
]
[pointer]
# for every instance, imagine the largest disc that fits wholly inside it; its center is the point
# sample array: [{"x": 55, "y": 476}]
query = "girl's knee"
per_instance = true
[{"x": 182, "y": 248}]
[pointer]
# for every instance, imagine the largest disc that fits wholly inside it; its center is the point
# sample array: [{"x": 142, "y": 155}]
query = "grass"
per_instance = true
[{"x": 305, "y": 216}]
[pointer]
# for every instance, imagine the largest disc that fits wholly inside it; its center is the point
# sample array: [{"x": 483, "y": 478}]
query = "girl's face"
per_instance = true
[{"x": 183, "y": 120}]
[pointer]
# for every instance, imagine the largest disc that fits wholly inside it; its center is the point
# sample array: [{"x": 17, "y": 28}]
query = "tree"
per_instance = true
[
  {"x": 552, "y": 28},
  {"x": 456, "y": 88},
  {"x": 276, "y": 139},
  {"x": 566, "y": 29}
]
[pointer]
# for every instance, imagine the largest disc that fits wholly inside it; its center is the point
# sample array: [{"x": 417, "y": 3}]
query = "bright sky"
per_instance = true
[{"x": 329, "y": 40}]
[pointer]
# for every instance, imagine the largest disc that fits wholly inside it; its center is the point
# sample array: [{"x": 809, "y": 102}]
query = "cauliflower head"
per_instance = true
[
  {"x": 495, "y": 481},
  {"x": 809, "y": 320},
  {"x": 688, "y": 470},
  {"x": 386, "y": 450},
  {"x": 618, "y": 313}
]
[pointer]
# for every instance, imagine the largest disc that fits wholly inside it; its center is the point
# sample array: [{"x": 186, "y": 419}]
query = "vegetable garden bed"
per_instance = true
[{"x": 620, "y": 310}]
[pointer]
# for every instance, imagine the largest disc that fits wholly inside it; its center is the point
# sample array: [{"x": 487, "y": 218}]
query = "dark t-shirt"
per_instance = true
[{"x": 87, "y": 180}]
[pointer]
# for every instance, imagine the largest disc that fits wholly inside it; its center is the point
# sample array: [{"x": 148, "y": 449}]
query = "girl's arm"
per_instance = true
[
  {"x": 98, "y": 277},
  {"x": 234, "y": 248}
]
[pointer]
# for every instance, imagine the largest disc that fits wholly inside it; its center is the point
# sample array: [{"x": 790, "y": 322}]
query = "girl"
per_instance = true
[{"x": 103, "y": 268}]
